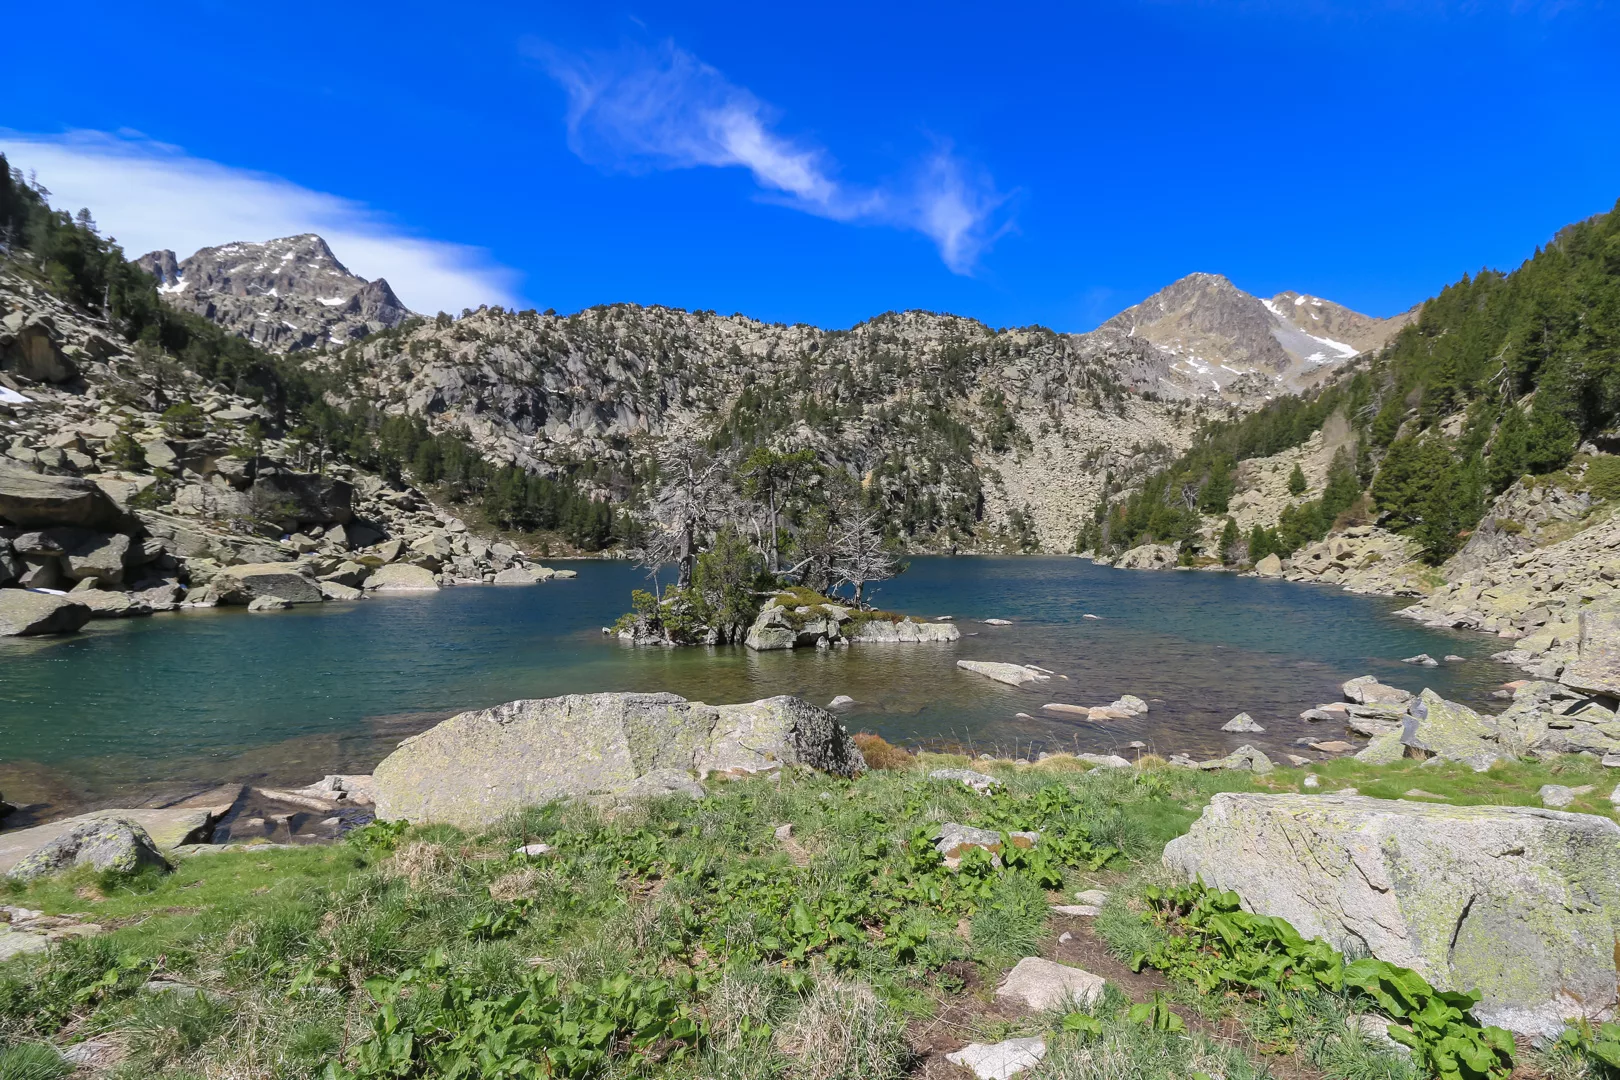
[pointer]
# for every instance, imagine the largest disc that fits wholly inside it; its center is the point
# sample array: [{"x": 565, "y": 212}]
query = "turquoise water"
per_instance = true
[{"x": 138, "y": 707}]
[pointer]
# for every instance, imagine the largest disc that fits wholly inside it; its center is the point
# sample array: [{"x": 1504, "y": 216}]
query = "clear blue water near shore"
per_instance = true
[{"x": 133, "y": 708}]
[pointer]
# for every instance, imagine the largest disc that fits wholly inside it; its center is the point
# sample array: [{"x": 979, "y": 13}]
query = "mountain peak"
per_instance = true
[{"x": 284, "y": 294}]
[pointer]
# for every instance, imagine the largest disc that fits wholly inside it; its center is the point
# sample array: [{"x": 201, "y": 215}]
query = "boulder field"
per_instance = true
[
  {"x": 1519, "y": 903},
  {"x": 476, "y": 767}
]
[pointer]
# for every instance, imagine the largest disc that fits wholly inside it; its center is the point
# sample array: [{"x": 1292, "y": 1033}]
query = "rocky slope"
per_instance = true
[
  {"x": 960, "y": 426},
  {"x": 286, "y": 294},
  {"x": 111, "y": 506}
]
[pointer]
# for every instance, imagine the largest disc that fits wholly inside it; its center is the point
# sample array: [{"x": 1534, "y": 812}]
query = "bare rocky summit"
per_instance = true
[
  {"x": 1224, "y": 341},
  {"x": 282, "y": 295}
]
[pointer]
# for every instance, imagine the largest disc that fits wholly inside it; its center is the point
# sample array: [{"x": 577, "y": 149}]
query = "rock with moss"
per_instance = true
[
  {"x": 476, "y": 767},
  {"x": 1519, "y": 903},
  {"x": 1451, "y": 731},
  {"x": 1244, "y": 758},
  {"x": 116, "y": 844}
]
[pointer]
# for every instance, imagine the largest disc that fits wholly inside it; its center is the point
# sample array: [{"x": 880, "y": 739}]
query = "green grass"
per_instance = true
[
  {"x": 741, "y": 960},
  {"x": 1504, "y": 784},
  {"x": 672, "y": 939}
]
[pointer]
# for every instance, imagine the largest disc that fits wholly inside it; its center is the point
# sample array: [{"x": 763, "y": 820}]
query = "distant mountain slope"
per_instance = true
[
  {"x": 1216, "y": 334},
  {"x": 282, "y": 295}
]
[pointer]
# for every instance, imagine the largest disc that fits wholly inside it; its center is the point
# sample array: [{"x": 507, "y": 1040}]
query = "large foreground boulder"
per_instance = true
[
  {"x": 31, "y": 500},
  {"x": 25, "y": 614},
  {"x": 474, "y": 768},
  {"x": 118, "y": 844},
  {"x": 1521, "y": 904}
]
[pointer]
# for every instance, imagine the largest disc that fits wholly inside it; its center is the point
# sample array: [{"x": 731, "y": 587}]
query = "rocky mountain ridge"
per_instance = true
[{"x": 286, "y": 294}]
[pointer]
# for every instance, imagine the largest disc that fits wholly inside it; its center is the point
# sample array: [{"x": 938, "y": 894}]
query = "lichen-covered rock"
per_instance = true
[
  {"x": 1367, "y": 690},
  {"x": 24, "y": 613},
  {"x": 1243, "y": 758},
  {"x": 1519, "y": 903},
  {"x": 475, "y": 767},
  {"x": 978, "y": 781},
  {"x": 1451, "y": 731},
  {"x": 1596, "y": 669},
  {"x": 1384, "y": 749},
  {"x": 107, "y": 843}
]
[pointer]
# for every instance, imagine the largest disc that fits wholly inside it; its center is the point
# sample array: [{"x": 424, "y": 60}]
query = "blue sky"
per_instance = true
[{"x": 823, "y": 163}]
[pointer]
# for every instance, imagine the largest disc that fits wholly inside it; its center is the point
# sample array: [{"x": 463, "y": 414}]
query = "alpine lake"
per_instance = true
[{"x": 132, "y": 711}]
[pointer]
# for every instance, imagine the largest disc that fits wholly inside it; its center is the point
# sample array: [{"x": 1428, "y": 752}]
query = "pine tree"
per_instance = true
[
  {"x": 1231, "y": 537},
  {"x": 1296, "y": 481}
]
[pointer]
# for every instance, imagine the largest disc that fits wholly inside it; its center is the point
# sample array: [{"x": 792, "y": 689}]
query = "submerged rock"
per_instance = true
[
  {"x": 1011, "y": 674},
  {"x": 1518, "y": 902},
  {"x": 476, "y": 767}
]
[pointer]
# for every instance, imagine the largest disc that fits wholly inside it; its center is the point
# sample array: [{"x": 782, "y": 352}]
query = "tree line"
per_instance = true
[{"x": 1500, "y": 376}]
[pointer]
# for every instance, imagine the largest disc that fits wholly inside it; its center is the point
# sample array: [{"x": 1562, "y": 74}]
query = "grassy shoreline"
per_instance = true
[{"x": 684, "y": 938}]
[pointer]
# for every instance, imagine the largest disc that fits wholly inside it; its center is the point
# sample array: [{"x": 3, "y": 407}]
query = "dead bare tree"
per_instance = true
[
  {"x": 862, "y": 555},
  {"x": 693, "y": 498}
]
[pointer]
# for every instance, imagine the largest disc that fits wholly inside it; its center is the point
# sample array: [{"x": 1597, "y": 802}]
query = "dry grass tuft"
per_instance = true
[
  {"x": 518, "y": 885},
  {"x": 845, "y": 1032},
  {"x": 882, "y": 754},
  {"x": 423, "y": 865}
]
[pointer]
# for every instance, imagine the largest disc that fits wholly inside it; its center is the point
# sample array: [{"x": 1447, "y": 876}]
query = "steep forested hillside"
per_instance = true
[{"x": 1500, "y": 376}]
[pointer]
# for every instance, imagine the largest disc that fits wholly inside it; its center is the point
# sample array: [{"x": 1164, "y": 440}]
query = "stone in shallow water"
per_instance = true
[
  {"x": 1011, "y": 674},
  {"x": 1039, "y": 984},
  {"x": 999, "y": 1061},
  {"x": 1243, "y": 722}
]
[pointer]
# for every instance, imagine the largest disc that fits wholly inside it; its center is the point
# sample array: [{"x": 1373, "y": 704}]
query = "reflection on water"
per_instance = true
[{"x": 134, "y": 707}]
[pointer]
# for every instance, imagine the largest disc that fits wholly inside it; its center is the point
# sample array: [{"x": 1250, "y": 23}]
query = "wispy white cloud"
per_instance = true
[
  {"x": 641, "y": 109},
  {"x": 150, "y": 195}
]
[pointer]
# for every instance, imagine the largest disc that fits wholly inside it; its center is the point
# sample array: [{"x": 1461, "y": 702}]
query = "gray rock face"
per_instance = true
[
  {"x": 476, "y": 767},
  {"x": 401, "y": 577},
  {"x": 25, "y": 614},
  {"x": 33, "y": 351},
  {"x": 30, "y": 500},
  {"x": 1596, "y": 669},
  {"x": 109, "y": 843},
  {"x": 255, "y": 581},
  {"x": 282, "y": 295},
  {"x": 1518, "y": 902}
]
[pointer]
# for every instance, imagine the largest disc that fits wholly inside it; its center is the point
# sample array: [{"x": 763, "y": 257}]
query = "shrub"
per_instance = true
[{"x": 1603, "y": 477}]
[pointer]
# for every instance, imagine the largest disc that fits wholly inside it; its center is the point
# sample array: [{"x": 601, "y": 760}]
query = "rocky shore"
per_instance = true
[{"x": 128, "y": 486}]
